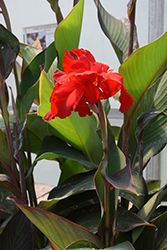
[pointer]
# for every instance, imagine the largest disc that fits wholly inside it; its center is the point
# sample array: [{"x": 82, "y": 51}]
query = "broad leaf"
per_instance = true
[
  {"x": 58, "y": 230},
  {"x": 154, "y": 239},
  {"x": 128, "y": 221},
  {"x": 7, "y": 207},
  {"x": 6, "y": 183},
  {"x": 36, "y": 130},
  {"x": 32, "y": 73},
  {"x": 117, "y": 31},
  {"x": 79, "y": 132},
  {"x": 64, "y": 206},
  {"x": 75, "y": 184},
  {"x": 154, "y": 98},
  {"x": 27, "y": 53},
  {"x": 29, "y": 85},
  {"x": 17, "y": 235},
  {"x": 67, "y": 34},
  {"x": 52, "y": 147},
  {"x": 146, "y": 119},
  {"x": 141, "y": 187},
  {"x": 153, "y": 186},
  {"x": 9, "y": 48},
  {"x": 68, "y": 169},
  {"x": 123, "y": 180},
  {"x": 143, "y": 68},
  {"x": 148, "y": 209},
  {"x": 87, "y": 216},
  {"x": 86, "y": 246}
]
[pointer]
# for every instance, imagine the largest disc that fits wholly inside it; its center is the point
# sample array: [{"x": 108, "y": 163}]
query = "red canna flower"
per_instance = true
[{"x": 83, "y": 82}]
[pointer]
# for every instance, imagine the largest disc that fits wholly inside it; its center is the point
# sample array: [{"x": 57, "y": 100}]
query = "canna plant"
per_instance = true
[{"x": 102, "y": 200}]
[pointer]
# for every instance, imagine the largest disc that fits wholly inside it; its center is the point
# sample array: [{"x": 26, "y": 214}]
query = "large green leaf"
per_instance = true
[
  {"x": 141, "y": 187},
  {"x": 36, "y": 130},
  {"x": 79, "y": 132},
  {"x": 75, "y": 184},
  {"x": 89, "y": 217},
  {"x": 68, "y": 169},
  {"x": 60, "y": 232},
  {"x": 142, "y": 69},
  {"x": 117, "y": 31},
  {"x": 17, "y": 235},
  {"x": 68, "y": 32},
  {"x": 86, "y": 246},
  {"x": 148, "y": 209},
  {"x": 28, "y": 53},
  {"x": 29, "y": 85},
  {"x": 9, "y": 48},
  {"x": 128, "y": 220},
  {"x": 154, "y": 239},
  {"x": 155, "y": 136},
  {"x": 53, "y": 147},
  {"x": 63, "y": 206},
  {"x": 6, "y": 183},
  {"x": 7, "y": 207}
]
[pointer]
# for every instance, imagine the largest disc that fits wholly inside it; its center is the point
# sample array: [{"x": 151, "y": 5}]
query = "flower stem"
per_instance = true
[
  {"x": 107, "y": 214},
  {"x": 103, "y": 126},
  {"x": 104, "y": 132}
]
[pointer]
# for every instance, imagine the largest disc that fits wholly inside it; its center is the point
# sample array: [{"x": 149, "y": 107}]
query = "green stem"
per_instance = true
[
  {"x": 103, "y": 126},
  {"x": 104, "y": 132},
  {"x": 115, "y": 219},
  {"x": 107, "y": 213},
  {"x": 31, "y": 191},
  {"x": 57, "y": 11},
  {"x": 140, "y": 141},
  {"x": 30, "y": 180}
]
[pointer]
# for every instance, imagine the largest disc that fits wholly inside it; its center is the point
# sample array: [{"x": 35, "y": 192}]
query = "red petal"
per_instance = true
[
  {"x": 65, "y": 99},
  {"x": 99, "y": 67},
  {"x": 60, "y": 76},
  {"x": 91, "y": 93},
  {"x": 48, "y": 116},
  {"x": 109, "y": 89},
  {"x": 125, "y": 99},
  {"x": 81, "y": 52},
  {"x": 83, "y": 108}
]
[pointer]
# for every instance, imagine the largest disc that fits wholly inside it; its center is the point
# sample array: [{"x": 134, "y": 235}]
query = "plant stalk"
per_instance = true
[
  {"x": 107, "y": 213},
  {"x": 104, "y": 132},
  {"x": 30, "y": 180}
]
